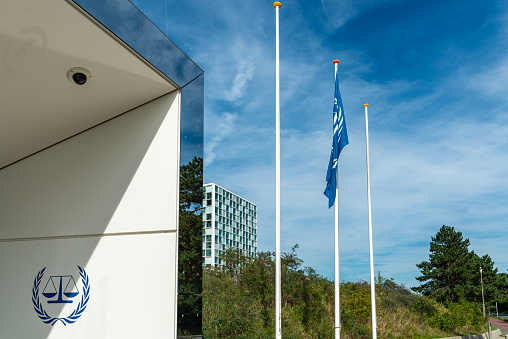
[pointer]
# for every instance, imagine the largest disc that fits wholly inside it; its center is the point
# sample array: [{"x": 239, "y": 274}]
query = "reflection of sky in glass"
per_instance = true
[
  {"x": 124, "y": 20},
  {"x": 191, "y": 124}
]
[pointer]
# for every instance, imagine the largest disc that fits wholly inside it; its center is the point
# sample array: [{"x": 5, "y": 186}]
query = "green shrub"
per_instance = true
[
  {"x": 238, "y": 302},
  {"x": 424, "y": 307},
  {"x": 459, "y": 318}
]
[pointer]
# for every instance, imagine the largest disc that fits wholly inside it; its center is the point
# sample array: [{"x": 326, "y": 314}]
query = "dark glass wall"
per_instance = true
[
  {"x": 192, "y": 120},
  {"x": 130, "y": 25},
  {"x": 191, "y": 183}
]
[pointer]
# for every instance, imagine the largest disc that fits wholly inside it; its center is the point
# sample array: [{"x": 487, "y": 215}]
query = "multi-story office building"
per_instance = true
[{"x": 229, "y": 221}]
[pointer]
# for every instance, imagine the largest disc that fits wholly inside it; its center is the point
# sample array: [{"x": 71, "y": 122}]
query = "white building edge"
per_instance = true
[{"x": 89, "y": 174}]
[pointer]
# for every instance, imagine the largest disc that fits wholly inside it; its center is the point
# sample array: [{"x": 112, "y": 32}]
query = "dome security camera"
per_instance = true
[{"x": 78, "y": 75}]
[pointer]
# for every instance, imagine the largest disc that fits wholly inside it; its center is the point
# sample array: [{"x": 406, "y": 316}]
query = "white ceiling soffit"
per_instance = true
[{"x": 39, "y": 106}]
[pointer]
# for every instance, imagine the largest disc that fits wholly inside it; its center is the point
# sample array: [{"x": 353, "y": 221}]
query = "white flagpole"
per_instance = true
[
  {"x": 337, "y": 261},
  {"x": 278, "y": 314},
  {"x": 371, "y": 246}
]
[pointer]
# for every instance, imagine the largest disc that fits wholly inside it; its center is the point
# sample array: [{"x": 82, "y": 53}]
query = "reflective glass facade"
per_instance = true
[
  {"x": 131, "y": 26},
  {"x": 229, "y": 221}
]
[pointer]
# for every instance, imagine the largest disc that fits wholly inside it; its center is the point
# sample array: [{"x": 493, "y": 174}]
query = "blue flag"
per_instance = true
[{"x": 340, "y": 140}]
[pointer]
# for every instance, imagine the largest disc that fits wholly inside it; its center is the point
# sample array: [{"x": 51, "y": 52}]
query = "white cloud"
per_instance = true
[
  {"x": 239, "y": 86},
  {"x": 223, "y": 127},
  {"x": 438, "y": 149},
  {"x": 491, "y": 82},
  {"x": 340, "y": 12}
]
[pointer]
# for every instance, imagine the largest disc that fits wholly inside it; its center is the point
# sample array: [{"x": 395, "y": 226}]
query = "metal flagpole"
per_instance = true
[
  {"x": 483, "y": 299},
  {"x": 337, "y": 261},
  {"x": 371, "y": 246},
  {"x": 278, "y": 315}
]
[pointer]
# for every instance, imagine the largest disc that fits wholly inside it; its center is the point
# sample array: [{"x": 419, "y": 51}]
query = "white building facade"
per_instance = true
[
  {"x": 229, "y": 221},
  {"x": 99, "y": 109}
]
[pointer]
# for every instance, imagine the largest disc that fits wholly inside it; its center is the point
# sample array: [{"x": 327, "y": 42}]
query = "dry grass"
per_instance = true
[{"x": 402, "y": 323}]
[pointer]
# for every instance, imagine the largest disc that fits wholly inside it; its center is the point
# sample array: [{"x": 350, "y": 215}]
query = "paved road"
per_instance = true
[{"x": 502, "y": 325}]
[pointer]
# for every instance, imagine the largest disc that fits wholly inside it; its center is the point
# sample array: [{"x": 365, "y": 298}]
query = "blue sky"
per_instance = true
[{"x": 435, "y": 74}]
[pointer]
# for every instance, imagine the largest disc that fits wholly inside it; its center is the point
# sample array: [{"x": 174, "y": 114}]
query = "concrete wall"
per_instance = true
[{"x": 105, "y": 200}]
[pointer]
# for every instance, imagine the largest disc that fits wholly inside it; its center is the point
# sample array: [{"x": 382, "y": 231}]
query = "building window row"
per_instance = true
[{"x": 234, "y": 224}]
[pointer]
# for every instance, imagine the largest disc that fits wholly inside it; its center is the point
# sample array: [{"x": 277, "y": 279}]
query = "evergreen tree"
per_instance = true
[
  {"x": 471, "y": 289},
  {"x": 191, "y": 186},
  {"x": 502, "y": 292},
  {"x": 190, "y": 261},
  {"x": 449, "y": 266},
  {"x": 452, "y": 273}
]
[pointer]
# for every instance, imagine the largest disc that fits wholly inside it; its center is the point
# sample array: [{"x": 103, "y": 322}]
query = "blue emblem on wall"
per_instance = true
[{"x": 60, "y": 289}]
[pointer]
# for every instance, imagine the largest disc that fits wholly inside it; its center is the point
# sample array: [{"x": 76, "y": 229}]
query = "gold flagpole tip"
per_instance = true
[
  {"x": 335, "y": 61},
  {"x": 365, "y": 105},
  {"x": 275, "y": 4}
]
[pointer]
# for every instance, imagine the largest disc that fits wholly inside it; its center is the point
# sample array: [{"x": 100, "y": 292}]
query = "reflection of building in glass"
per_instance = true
[{"x": 229, "y": 221}]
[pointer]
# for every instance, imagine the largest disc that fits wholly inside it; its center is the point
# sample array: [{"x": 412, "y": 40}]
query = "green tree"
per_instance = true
[
  {"x": 190, "y": 270},
  {"x": 449, "y": 266},
  {"x": 452, "y": 273},
  {"x": 234, "y": 262},
  {"x": 191, "y": 186},
  {"x": 502, "y": 292},
  {"x": 471, "y": 289},
  {"x": 239, "y": 298}
]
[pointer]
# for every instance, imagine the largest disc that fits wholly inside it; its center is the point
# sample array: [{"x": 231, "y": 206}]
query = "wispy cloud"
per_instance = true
[
  {"x": 240, "y": 83},
  {"x": 340, "y": 12},
  {"x": 493, "y": 81},
  {"x": 438, "y": 123},
  {"x": 219, "y": 128}
]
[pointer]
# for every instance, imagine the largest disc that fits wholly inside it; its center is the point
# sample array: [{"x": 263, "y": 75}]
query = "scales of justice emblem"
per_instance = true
[
  {"x": 61, "y": 289},
  {"x": 51, "y": 290}
]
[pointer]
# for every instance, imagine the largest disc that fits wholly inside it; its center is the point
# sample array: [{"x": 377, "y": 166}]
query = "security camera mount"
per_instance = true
[{"x": 78, "y": 75}]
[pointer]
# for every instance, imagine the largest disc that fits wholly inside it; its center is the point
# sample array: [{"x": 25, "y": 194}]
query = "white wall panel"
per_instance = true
[
  {"x": 131, "y": 279},
  {"x": 121, "y": 176},
  {"x": 106, "y": 200}
]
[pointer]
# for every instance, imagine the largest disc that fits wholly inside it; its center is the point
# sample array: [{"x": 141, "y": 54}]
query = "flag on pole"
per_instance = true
[{"x": 340, "y": 140}]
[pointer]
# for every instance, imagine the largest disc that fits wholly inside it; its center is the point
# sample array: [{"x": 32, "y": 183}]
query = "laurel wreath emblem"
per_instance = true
[{"x": 43, "y": 315}]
